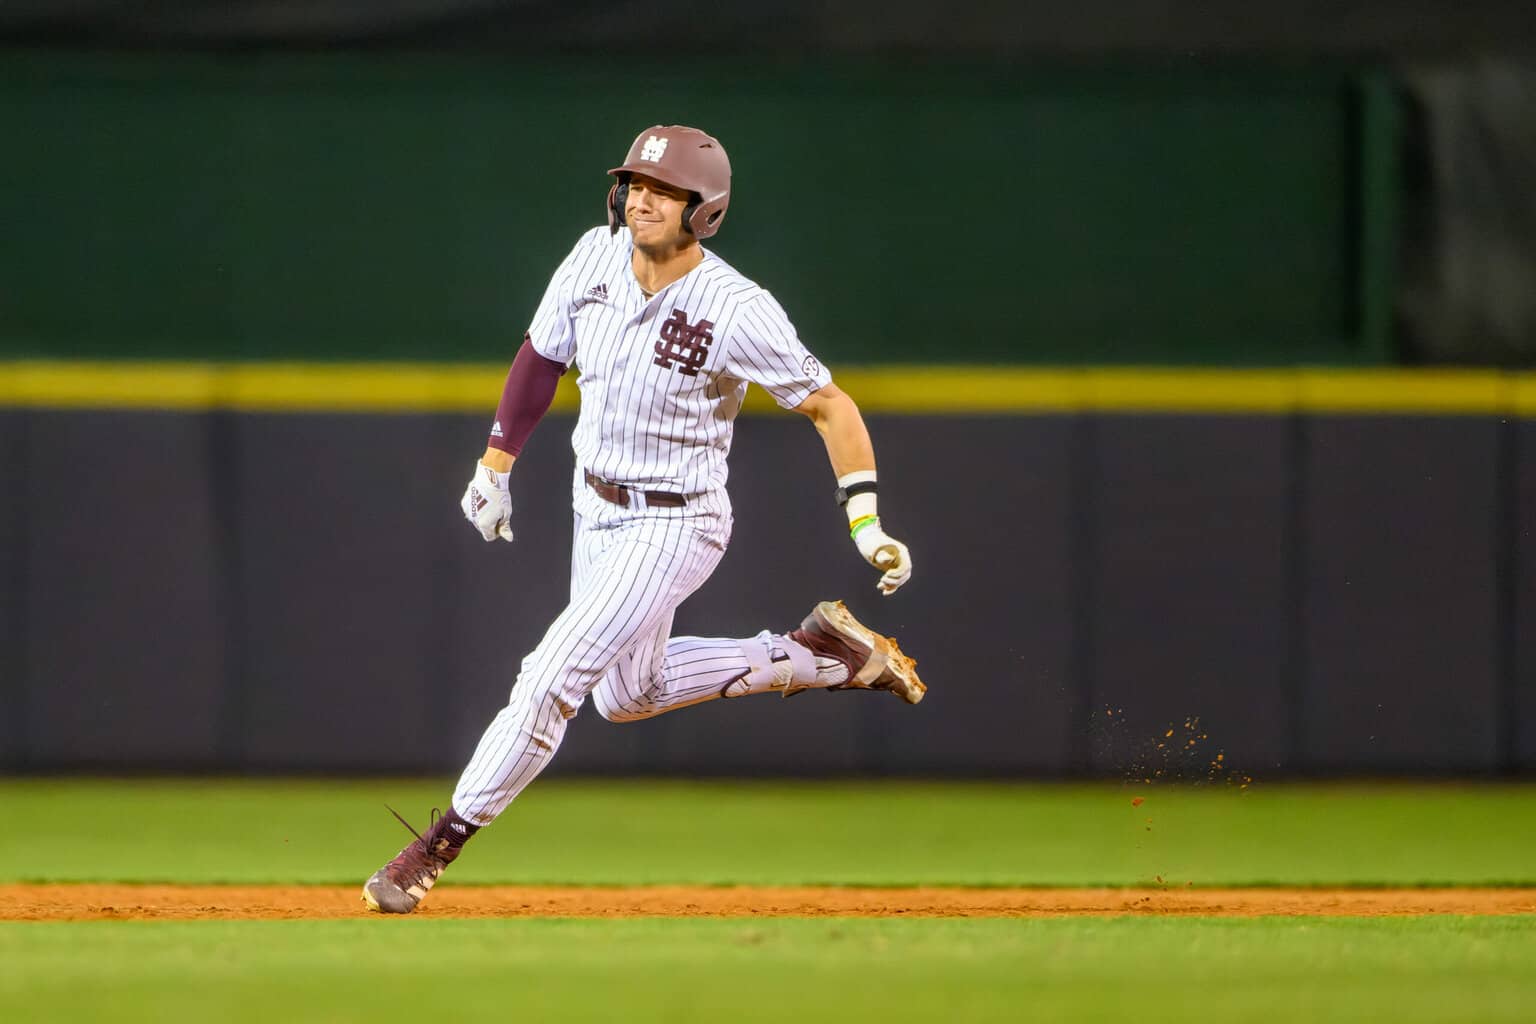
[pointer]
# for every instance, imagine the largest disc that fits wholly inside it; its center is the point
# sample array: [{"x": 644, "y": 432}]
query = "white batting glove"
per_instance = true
[
  {"x": 487, "y": 504},
  {"x": 886, "y": 553}
]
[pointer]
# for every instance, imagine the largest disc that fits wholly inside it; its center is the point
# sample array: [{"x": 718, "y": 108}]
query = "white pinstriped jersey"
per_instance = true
[{"x": 662, "y": 379}]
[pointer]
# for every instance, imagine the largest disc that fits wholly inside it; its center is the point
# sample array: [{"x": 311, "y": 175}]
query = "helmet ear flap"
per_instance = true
[
  {"x": 618, "y": 196},
  {"x": 702, "y": 219}
]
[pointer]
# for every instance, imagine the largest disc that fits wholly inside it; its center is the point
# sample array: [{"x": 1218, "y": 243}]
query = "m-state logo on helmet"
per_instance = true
[{"x": 684, "y": 158}]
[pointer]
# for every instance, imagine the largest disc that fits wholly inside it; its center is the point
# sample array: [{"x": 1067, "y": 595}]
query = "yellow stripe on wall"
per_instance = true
[
  {"x": 920, "y": 390},
  {"x": 258, "y": 387}
]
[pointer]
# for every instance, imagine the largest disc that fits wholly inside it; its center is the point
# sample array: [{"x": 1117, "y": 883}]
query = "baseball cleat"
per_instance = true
[
  {"x": 400, "y": 885},
  {"x": 874, "y": 662}
]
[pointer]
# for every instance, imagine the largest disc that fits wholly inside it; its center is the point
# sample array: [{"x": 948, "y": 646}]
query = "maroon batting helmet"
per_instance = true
[{"x": 683, "y": 158}]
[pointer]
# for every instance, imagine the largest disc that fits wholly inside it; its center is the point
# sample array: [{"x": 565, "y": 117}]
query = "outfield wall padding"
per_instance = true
[
  {"x": 122, "y": 648},
  {"x": 264, "y": 592},
  {"x": 13, "y": 583},
  {"x": 1519, "y": 557},
  {"x": 1401, "y": 600},
  {"x": 1188, "y": 584}
]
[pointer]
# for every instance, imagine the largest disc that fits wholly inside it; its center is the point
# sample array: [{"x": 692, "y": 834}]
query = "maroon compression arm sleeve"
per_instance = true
[{"x": 525, "y": 399}]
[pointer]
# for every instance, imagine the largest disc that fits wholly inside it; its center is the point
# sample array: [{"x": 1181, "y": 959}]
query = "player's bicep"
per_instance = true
[
  {"x": 766, "y": 351},
  {"x": 552, "y": 332}
]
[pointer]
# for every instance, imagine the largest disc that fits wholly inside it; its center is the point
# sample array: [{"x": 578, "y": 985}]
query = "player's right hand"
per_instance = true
[
  {"x": 487, "y": 504},
  {"x": 887, "y": 554}
]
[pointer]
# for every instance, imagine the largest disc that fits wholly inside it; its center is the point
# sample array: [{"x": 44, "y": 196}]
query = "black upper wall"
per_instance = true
[{"x": 684, "y": 28}]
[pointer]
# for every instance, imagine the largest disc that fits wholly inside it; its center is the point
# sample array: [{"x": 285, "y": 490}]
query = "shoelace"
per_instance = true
[{"x": 432, "y": 821}]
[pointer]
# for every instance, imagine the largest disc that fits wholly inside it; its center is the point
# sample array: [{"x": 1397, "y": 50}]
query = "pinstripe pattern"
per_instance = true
[
  {"x": 684, "y": 670},
  {"x": 641, "y": 570},
  {"x": 653, "y": 428},
  {"x": 645, "y": 424}
]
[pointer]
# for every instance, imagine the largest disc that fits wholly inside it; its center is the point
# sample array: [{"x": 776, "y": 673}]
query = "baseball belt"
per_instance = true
[{"x": 618, "y": 494}]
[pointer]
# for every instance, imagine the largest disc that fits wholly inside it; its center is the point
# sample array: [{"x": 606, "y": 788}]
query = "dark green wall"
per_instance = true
[{"x": 361, "y": 207}]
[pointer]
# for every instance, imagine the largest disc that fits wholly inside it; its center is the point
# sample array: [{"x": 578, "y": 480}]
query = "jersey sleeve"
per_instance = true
[
  {"x": 552, "y": 333},
  {"x": 766, "y": 351}
]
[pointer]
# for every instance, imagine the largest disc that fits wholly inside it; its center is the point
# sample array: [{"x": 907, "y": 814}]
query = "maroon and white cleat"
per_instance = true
[
  {"x": 400, "y": 885},
  {"x": 873, "y": 662}
]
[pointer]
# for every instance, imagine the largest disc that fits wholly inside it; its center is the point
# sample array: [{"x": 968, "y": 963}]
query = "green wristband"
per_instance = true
[{"x": 861, "y": 523}]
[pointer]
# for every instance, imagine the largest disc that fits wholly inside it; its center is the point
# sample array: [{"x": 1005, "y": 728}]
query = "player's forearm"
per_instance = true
[
  {"x": 847, "y": 439},
  {"x": 853, "y": 460}
]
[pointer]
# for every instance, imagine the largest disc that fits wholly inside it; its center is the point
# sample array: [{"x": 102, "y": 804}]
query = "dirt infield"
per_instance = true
[{"x": 79, "y": 902}]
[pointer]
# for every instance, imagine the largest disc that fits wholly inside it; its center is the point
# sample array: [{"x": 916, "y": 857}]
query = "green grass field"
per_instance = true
[
  {"x": 834, "y": 833},
  {"x": 1438, "y": 968}
]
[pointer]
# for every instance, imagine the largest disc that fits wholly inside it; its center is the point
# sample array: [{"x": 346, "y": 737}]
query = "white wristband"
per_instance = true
[{"x": 863, "y": 504}]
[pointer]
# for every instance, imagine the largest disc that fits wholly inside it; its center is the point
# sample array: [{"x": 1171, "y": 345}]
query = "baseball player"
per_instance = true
[{"x": 666, "y": 336}]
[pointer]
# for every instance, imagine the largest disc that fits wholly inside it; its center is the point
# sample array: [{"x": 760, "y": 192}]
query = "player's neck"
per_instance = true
[{"x": 656, "y": 268}]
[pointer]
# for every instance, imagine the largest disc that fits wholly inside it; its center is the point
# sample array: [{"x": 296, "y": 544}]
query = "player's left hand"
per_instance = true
[
  {"x": 487, "y": 503},
  {"x": 887, "y": 554}
]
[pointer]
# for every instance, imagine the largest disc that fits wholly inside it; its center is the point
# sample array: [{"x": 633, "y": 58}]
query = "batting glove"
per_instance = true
[
  {"x": 886, "y": 553},
  {"x": 487, "y": 504}
]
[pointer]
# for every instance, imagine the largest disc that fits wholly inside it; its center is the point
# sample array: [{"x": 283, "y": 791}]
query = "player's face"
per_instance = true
[{"x": 654, "y": 212}]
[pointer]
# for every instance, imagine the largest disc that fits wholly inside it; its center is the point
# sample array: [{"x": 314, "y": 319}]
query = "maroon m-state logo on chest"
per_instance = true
[{"x": 684, "y": 346}]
